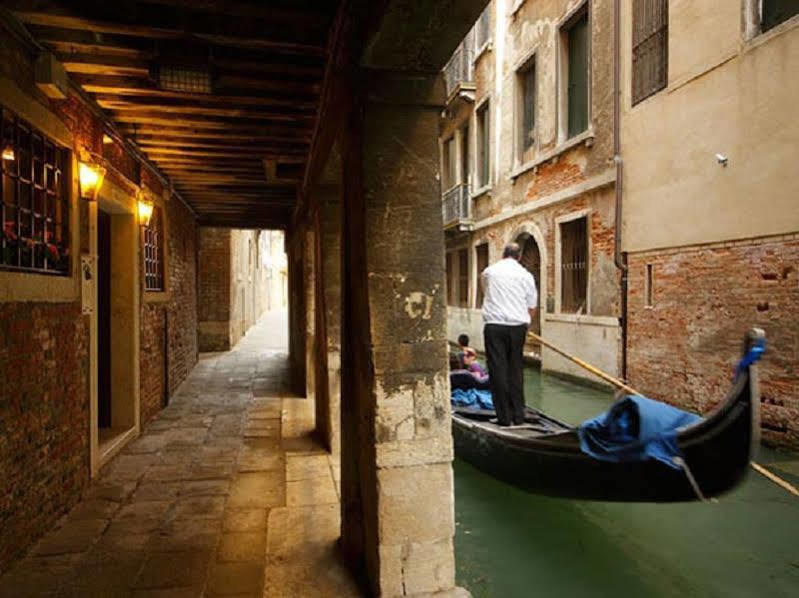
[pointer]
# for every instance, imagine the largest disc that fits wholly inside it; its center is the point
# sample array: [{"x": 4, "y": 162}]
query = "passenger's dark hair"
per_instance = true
[
  {"x": 512, "y": 250},
  {"x": 454, "y": 362},
  {"x": 463, "y": 340}
]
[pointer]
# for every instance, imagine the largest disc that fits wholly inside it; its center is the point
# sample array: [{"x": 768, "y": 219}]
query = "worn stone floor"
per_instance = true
[{"x": 223, "y": 494}]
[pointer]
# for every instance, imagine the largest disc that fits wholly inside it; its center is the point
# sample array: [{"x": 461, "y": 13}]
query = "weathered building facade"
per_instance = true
[
  {"x": 711, "y": 211},
  {"x": 242, "y": 274},
  {"x": 527, "y": 156}
]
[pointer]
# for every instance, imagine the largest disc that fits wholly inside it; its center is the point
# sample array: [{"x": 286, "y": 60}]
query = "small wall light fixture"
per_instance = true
[
  {"x": 722, "y": 159},
  {"x": 91, "y": 178},
  {"x": 145, "y": 212},
  {"x": 8, "y": 153}
]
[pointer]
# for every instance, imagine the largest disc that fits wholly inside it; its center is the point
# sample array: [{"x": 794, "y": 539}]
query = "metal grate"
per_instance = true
[
  {"x": 460, "y": 68},
  {"x": 154, "y": 252},
  {"x": 185, "y": 79},
  {"x": 650, "y": 48},
  {"x": 573, "y": 265},
  {"x": 34, "y": 209}
]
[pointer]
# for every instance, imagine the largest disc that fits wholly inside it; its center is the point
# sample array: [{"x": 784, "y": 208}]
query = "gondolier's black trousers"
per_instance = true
[{"x": 504, "y": 346}]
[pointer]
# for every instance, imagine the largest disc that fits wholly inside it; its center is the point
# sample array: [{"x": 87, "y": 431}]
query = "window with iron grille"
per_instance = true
[
  {"x": 450, "y": 279},
  {"x": 481, "y": 255},
  {"x": 463, "y": 278},
  {"x": 154, "y": 252},
  {"x": 34, "y": 210},
  {"x": 483, "y": 146},
  {"x": 774, "y": 12},
  {"x": 650, "y": 48},
  {"x": 525, "y": 111},
  {"x": 574, "y": 265}
]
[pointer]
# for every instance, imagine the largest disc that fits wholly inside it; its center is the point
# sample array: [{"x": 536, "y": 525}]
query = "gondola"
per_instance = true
[{"x": 544, "y": 455}]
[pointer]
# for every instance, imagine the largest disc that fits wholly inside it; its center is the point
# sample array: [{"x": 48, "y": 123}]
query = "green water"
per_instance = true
[{"x": 512, "y": 544}]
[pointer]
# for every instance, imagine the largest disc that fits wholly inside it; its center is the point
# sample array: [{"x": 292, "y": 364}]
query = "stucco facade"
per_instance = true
[{"x": 532, "y": 191}]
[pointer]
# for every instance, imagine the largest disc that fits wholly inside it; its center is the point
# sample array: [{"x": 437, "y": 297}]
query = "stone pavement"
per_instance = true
[{"x": 224, "y": 494}]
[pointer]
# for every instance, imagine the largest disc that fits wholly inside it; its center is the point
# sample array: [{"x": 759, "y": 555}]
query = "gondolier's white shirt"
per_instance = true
[{"x": 508, "y": 292}]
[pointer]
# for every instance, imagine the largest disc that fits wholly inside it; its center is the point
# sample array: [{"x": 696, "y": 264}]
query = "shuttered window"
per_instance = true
[
  {"x": 574, "y": 265},
  {"x": 465, "y": 166},
  {"x": 577, "y": 92},
  {"x": 463, "y": 278},
  {"x": 650, "y": 48},
  {"x": 483, "y": 146},
  {"x": 450, "y": 279},
  {"x": 526, "y": 111},
  {"x": 776, "y": 12},
  {"x": 481, "y": 254}
]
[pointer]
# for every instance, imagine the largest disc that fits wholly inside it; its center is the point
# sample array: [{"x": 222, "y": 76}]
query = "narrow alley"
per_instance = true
[{"x": 223, "y": 490}]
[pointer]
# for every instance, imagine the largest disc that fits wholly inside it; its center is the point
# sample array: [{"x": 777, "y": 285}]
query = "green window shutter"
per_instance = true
[{"x": 577, "y": 92}]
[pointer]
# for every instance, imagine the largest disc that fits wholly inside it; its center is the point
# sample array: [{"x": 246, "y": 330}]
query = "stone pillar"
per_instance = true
[
  {"x": 310, "y": 306},
  {"x": 328, "y": 318},
  {"x": 396, "y": 451}
]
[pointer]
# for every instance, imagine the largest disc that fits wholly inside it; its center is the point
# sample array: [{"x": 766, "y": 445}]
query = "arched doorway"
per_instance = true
[{"x": 531, "y": 260}]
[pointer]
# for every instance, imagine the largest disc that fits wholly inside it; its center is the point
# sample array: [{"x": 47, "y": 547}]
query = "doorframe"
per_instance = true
[{"x": 125, "y": 256}]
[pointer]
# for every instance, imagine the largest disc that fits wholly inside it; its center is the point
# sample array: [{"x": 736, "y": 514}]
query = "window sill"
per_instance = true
[
  {"x": 486, "y": 47},
  {"x": 481, "y": 191},
  {"x": 609, "y": 321},
  {"x": 764, "y": 37},
  {"x": 587, "y": 137},
  {"x": 157, "y": 296}
]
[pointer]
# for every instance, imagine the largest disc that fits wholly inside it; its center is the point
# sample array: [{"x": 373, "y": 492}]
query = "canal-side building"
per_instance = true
[
  {"x": 527, "y": 156},
  {"x": 711, "y": 199}
]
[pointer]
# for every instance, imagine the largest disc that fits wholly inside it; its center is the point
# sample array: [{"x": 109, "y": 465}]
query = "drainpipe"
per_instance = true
[{"x": 619, "y": 257}]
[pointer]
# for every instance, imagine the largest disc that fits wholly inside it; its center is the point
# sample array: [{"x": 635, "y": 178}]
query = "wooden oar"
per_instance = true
[{"x": 787, "y": 486}]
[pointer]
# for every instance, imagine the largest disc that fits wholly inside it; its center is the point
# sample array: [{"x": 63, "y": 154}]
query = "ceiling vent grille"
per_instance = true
[{"x": 184, "y": 79}]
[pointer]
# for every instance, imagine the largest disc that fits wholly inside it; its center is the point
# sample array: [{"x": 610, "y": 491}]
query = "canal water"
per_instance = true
[{"x": 512, "y": 544}]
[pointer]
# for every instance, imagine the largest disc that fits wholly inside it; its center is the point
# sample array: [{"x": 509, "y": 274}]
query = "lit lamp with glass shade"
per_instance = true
[
  {"x": 8, "y": 154},
  {"x": 145, "y": 212},
  {"x": 91, "y": 179}
]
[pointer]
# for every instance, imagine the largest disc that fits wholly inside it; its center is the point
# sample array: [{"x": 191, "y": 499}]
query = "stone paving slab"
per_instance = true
[{"x": 193, "y": 506}]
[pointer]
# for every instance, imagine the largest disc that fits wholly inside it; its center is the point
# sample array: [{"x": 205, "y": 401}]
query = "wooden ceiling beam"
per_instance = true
[
  {"x": 307, "y": 14},
  {"x": 219, "y": 144},
  {"x": 87, "y": 64},
  {"x": 194, "y": 121},
  {"x": 192, "y": 28},
  {"x": 283, "y": 157},
  {"x": 143, "y": 89},
  {"x": 238, "y": 113},
  {"x": 177, "y": 141},
  {"x": 251, "y": 135}
]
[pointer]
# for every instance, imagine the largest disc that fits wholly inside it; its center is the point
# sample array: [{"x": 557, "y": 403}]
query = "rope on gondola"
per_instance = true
[{"x": 753, "y": 355}]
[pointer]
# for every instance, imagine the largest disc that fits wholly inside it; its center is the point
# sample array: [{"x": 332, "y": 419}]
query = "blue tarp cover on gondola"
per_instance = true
[
  {"x": 472, "y": 397},
  {"x": 635, "y": 429}
]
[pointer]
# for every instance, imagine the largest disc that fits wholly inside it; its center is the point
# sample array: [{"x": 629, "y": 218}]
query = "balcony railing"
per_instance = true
[
  {"x": 459, "y": 70},
  {"x": 457, "y": 206}
]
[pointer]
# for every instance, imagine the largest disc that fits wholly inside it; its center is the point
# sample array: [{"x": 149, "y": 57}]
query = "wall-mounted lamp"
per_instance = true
[
  {"x": 145, "y": 212},
  {"x": 107, "y": 140},
  {"x": 8, "y": 153},
  {"x": 91, "y": 179}
]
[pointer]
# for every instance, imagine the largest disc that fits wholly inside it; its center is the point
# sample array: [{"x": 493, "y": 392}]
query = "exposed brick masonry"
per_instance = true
[
  {"x": 683, "y": 348},
  {"x": 44, "y": 432}
]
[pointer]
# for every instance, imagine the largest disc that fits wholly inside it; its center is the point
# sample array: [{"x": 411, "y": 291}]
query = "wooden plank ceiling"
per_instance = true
[{"x": 235, "y": 141}]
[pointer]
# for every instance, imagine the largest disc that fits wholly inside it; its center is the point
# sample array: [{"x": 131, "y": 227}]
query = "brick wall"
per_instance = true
[
  {"x": 214, "y": 293},
  {"x": 44, "y": 439},
  {"x": 176, "y": 318},
  {"x": 683, "y": 348}
]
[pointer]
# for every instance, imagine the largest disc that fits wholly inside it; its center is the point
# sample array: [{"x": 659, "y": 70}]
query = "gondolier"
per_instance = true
[{"x": 510, "y": 301}]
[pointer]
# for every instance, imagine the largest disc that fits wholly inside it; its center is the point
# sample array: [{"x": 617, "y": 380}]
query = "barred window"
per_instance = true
[
  {"x": 34, "y": 210},
  {"x": 650, "y": 48},
  {"x": 574, "y": 265},
  {"x": 154, "y": 252}
]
